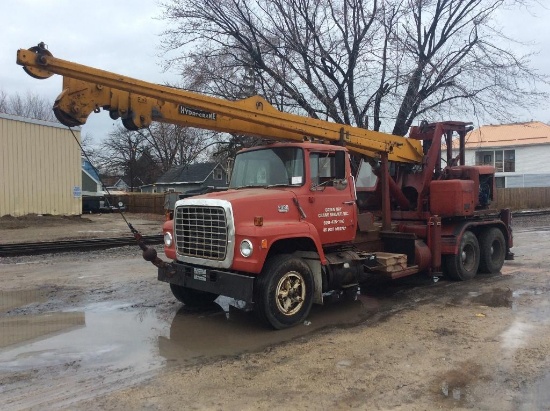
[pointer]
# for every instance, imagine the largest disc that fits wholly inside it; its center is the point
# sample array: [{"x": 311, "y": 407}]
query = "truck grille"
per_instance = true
[{"x": 201, "y": 232}]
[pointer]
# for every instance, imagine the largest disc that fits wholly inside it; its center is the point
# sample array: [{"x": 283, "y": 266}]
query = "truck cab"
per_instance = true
[{"x": 285, "y": 201}]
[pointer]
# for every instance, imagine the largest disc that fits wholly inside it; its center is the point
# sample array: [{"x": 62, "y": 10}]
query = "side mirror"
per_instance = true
[{"x": 340, "y": 164}]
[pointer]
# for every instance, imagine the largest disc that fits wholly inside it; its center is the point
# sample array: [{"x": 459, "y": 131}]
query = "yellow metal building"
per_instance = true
[{"x": 40, "y": 168}]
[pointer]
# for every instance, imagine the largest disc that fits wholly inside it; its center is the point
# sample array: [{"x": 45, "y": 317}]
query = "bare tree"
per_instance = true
[
  {"x": 202, "y": 74},
  {"x": 171, "y": 145},
  {"x": 370, "y": 63},
  {"x": 119, "y": 154},
  {"x": 89, "y": 149},
  {"x": 459, "y": 61},
  {"x": 30, "y": 105},
  {"x": 3, "y": 102},
  {"x": 142, "y": 156}
]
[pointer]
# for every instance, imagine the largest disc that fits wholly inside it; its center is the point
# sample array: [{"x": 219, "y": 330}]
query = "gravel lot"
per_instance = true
[{"x": 96, "y": 330}]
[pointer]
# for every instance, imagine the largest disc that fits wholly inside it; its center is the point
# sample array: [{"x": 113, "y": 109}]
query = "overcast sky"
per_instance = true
[
  {"x": 123, "y": 36},
  {"x": 119, "y": 36}
]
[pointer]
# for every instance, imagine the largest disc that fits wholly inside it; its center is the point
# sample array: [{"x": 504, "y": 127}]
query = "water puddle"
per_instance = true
[
  {"x": 516, "y": 335},
  {"x": 115, "y": 332},
  {"x": 536, "y": 396},
  {"x": 540, "y": 229},
  {"x": 227, "y": 330},
  {"x": 456, "y": 385},
  {"x": 498, "y": 297},
  {"x": 20, "y": 329},
  {"x": 13, "y": 299},
  {"x": 54, "y": 359},
  {"x": 116, "y": 339}
]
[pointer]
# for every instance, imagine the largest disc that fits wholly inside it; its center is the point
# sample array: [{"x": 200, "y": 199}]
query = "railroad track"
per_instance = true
[
  {"x": 45, "y": 247},
  {"x": 10, "y": 250}
]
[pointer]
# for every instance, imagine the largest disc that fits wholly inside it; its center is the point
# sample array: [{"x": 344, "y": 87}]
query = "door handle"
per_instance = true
[{"x": 352, "y": 202}]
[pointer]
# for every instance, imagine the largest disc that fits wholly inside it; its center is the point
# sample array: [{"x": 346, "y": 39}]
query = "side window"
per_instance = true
[
  {"x": 366, "y": 178},
  {"x": 323, "y": 171},
  {"x": 314, "y": 169}
]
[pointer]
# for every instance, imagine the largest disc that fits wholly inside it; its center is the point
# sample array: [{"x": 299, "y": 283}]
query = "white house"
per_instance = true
[{"x": 520, "y": 152}]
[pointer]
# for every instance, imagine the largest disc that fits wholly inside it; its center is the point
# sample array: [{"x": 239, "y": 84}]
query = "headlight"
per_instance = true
[
  {"x": 167, "y": 239},
  {"x": 246, "y": 248}
]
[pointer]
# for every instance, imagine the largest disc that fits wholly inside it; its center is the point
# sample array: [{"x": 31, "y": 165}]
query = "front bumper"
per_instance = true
[{"x": 238, "y": 286}]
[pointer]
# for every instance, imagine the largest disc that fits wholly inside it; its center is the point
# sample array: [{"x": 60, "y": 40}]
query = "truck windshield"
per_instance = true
[{"x": 269, "y": 167}]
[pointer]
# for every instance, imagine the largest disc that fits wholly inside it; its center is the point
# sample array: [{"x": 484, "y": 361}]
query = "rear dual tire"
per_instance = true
[
  {"x": 484, "y": 255},
  {"x": 464, "y": 265},
  {"x": 492, "y": 250}
]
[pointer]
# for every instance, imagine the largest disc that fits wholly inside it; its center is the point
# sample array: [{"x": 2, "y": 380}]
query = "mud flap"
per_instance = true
[{"x": 312, "y": 260}]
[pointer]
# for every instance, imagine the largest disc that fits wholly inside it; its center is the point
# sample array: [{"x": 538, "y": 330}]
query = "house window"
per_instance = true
[
  {"x": 500, "y": 182},
  {"x": 509, "y": 161},
  {"x": 502, "y": 160},
  {"x": 218, "y": 174},
  {"x": 499, "y": 164}
]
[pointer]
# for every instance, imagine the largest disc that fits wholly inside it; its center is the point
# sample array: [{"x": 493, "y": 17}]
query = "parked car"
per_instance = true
[{"x": 100, "y": 204}]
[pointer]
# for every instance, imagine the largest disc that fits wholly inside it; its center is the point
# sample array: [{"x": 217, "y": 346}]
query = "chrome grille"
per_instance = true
[{"x": 201, "y": 232}]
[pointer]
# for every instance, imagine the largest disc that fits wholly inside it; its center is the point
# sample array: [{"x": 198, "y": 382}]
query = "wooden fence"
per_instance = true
[
  {"x": 513, "y": 198},
  {"x": 141, "y": 202},
  {"x": 523, "y": 198}
]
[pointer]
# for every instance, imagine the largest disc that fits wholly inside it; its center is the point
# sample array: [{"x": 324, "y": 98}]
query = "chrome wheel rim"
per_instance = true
[{"x": 290, "y": 293}]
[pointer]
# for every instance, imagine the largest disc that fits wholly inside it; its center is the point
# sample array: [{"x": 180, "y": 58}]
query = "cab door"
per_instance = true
[{"x": 330, "y": 204}]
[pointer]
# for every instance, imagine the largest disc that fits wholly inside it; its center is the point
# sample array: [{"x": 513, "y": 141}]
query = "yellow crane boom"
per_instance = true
[{"x": 138, "y": 103}]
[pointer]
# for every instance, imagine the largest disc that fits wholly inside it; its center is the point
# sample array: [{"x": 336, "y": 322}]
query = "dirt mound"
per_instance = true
[{"x": 9, "y": 222}]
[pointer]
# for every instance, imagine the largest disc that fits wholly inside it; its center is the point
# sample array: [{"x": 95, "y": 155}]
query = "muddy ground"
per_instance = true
[
  {"x": 34, "y": 228},
  {"x": 96, "y": 330}
]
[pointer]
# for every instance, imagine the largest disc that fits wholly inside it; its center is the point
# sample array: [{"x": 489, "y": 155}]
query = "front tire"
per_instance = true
[
  {"x": 284, "y": 291},
  {"x": 493, "y": 250},
  {"x": 464, "y": 265},
  {"x": 192, "y": 298}
]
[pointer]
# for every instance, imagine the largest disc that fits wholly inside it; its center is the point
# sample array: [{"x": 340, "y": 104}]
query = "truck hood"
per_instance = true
[
  {"x": 248, "y": 193},
  {"x": 273, "y": 203}
]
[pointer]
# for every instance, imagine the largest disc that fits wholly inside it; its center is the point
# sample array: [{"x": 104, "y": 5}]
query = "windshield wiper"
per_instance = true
[
  {"x": 314, "y": 186},
  {"x": 278, "y": 185},
  {"x": 250, "y": 186}
]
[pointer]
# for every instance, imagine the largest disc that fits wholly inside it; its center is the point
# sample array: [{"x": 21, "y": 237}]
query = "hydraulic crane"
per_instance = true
[
  {"x": 138, "y": 103},
  {"x": 294, "y": 225}
]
